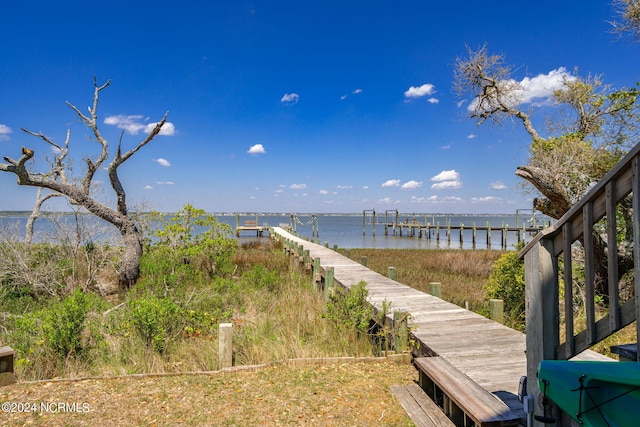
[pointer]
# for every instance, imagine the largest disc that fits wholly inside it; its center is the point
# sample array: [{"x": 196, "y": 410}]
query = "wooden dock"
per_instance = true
[
  {"x": 413, "y": 227},
  {"x": 484, "y": 234},
  {"x": 490, "y": 354},
  {"x": 251, "y": 225}
]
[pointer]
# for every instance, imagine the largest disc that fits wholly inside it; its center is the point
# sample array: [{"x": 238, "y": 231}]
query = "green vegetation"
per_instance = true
[
  {"x": 64, "y": 320},
  {"x": 506, "y": 282}
]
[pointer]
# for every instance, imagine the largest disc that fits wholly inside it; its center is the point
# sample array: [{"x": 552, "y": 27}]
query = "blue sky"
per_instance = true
[{"x": 292, "y": 106}]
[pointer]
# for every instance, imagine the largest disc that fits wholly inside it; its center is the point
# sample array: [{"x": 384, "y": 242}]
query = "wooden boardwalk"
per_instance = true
[{"x": 489, "y": 353}]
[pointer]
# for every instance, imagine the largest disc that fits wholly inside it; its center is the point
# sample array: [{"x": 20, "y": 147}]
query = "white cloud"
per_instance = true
[
  {"x": 344, "y": 187},
  {"x": 433, "y": 100},
  {"x": 290, "y": 98},
  {"x": 256, "y": 149},
  {"x": 450, "y": 175},
  {"x": 488, "y": 199},
  {"x": 472, "y": 136},
  {"x": 365, "y": 187},
  {"x": 534, "y": 90},
  {"x": 391, "y": 183},
  {"x": 165, "y": 182},
  {"x": 411, "y": 185},
  {"x": 385, "y": 201},
  {"x": 417, "y": 92},
  {"x": 133, "y": 124},
  {"x": 4, "y": 132},
  {"x": 298, "y": 186},
  {"x": 167, "y": 129},
  {"x": 446, "y": 184},
  {"x": 498, "y": 185},
  {"x": 447, "y": 199},
  {"x": 162, "y": 162},
  {"x": 449, "y": 179},
  {"x": 353, "y": 92},
  {"x": 445, "y": 147},
  {"x": 148, "y": 187},
  {"x": 323, "y": 192},
  {"x": 542, "y": 86}
]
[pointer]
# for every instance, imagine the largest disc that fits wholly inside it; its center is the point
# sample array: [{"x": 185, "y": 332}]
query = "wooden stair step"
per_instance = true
[{"x": 421, "y": 409}]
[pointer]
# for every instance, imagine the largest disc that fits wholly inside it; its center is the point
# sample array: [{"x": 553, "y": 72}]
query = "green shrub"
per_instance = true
[
  {"x": 157, "y": 321},
  {"x": 350, "y": 308},
  {"x": 64, "y": 322},
  {"x": 506, "y": 282}
]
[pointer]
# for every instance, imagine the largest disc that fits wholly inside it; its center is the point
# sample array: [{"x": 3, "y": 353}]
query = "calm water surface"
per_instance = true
[
  {"x": 345, "y": 231},
  {"x": 356, "y": 232}
]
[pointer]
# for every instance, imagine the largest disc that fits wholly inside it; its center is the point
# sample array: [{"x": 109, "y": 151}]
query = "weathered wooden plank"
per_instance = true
[
  {"x": 421, "y": 409},
  {"x": 482, "y": 407}
]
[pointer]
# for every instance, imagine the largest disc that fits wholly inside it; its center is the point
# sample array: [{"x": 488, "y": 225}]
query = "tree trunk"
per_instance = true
[{"x": 130, "y": 262}]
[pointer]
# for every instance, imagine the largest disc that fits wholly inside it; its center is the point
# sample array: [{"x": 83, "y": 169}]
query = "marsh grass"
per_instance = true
[
  {"x": 169, "y": 321},
  {"x": 462, "y": 273}
]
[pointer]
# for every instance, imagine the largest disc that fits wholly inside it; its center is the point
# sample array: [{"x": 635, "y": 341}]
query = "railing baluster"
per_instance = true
[
  {"x": 589, "y": 271},
  {"x": 568, "y": 290},
  {"x": 612, "y": 257},
  {"x": 636, "y": 241}
]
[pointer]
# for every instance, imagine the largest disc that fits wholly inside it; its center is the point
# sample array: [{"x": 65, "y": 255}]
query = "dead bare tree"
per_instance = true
[{"x": 80, "y": 192}]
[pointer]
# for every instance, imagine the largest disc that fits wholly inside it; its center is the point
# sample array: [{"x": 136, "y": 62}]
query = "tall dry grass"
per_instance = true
[{"x": 462, "y": 273}]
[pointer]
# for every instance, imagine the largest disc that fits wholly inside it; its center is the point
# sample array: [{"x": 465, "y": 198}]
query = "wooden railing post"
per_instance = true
[
  {"x": 401, "y": 330},
  {"x": 328, "y": 282},
  {"x": 225, "y": 345},
  {"x": 391, "y": 273},
  {"x": 317, "y": 277},
  {"x": 496, "y": 310},
  {"x": 435, "y": 289},
  {"x": 541, "y": 295}
]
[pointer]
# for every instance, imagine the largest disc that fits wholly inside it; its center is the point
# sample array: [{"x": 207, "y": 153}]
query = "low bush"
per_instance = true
[
  {"x": 349, "y": 309},
  {"x": 506, "y": 282},
  {"x": 158, "y": 321}
]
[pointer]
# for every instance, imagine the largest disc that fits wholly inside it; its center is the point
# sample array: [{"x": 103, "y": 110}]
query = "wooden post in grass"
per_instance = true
[
  {"x": 435, "y": 289},
  {"x": 401, "y": 329},
  {"x": 496, "y": 310},
  {"x": 328, "y": 282},
  {"x": 391, "y": 273},
  {"x": 363, "y": 260},
  {"x": 307, "y": 259},
  {"x": 225, "y": 347},
  {"x": 316, "y": 273}
]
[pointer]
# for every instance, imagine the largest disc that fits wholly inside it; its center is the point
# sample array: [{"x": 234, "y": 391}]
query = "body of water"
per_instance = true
[{"x": 345, "y": 231}]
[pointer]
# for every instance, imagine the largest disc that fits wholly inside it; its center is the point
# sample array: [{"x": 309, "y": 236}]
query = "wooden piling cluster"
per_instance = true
[{"x": 433, "y": 232}]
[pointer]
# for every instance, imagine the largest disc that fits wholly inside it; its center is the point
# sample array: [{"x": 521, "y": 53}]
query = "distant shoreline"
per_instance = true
[{"x": 304, "y": 214}]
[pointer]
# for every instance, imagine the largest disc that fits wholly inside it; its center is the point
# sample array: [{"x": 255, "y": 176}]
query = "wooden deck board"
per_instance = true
[{"x": 421, "y": 409}]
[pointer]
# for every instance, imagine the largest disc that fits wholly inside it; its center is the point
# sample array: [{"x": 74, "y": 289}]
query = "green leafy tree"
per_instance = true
[
  {"x": 590, "y": 126},
  {"x": 195, "y": 237}
]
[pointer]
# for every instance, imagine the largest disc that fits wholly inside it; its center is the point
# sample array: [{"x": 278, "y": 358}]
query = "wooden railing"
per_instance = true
[{"x": 588, "y": 235}]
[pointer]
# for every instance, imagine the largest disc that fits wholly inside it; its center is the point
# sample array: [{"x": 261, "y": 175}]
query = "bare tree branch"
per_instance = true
[{"x": 57, "y": 181}]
